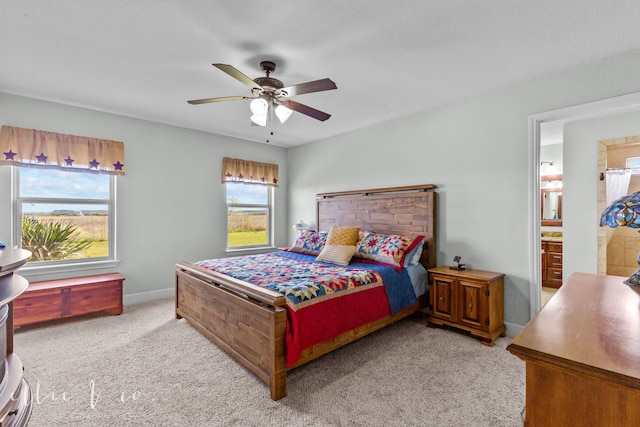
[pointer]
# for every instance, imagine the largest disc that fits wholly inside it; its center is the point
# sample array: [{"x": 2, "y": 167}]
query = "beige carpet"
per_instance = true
[{"x": 145, "y": 368}]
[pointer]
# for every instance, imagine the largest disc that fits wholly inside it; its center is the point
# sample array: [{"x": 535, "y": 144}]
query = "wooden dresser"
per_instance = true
[
  {"x": 15, "y": 395},
  {"x": 582, "y": 354},
  {"x": 472, "y": 300},
  {"x": 551, "y": 264}
]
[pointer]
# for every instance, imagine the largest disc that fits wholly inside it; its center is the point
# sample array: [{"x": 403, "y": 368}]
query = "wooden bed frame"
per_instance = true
[{"x": 249, "y": 322}]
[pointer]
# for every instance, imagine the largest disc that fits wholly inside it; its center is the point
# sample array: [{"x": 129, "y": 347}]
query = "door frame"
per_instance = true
[{"x": 589, "y": 110}]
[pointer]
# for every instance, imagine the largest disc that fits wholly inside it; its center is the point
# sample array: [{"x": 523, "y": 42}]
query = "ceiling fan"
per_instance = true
[{"x": 270, "y": 95}]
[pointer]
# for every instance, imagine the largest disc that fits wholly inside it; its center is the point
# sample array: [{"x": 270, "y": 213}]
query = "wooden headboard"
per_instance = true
[{"x": 407, "y": 211}]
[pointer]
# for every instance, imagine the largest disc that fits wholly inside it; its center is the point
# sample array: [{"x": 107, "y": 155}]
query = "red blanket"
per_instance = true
[{"x": 323, "y": 300}]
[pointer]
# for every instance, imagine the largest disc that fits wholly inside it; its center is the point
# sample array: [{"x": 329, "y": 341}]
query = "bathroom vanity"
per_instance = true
[{"x": 551, "y": 262}]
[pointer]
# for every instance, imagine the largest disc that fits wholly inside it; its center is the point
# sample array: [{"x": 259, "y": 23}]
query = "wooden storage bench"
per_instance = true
[{"x": 56, "y": 299}]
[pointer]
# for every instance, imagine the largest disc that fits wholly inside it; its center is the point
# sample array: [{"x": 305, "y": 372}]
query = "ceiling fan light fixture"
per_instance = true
[
  {"x": 283, "y": 113},
  {"x": 259, "y": 107},
  {"x": 259, "y": 120}
]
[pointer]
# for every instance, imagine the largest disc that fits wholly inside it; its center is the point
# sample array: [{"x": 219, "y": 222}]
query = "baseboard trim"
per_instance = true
[
  {"x": 513, "y": 329},
  {"x": 148, "y": 296}
]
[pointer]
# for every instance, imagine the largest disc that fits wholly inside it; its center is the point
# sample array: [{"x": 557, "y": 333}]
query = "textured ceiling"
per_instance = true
[{"x": 145, "y": 59}]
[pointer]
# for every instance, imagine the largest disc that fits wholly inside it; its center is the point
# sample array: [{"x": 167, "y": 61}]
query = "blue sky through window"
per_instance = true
[
  {"x": 248, "y": 193},
  {"x": 53, "y": 183}
]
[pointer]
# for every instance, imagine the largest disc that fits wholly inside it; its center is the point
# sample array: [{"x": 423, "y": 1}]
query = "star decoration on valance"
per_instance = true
[{"x": 41, "y": 158}]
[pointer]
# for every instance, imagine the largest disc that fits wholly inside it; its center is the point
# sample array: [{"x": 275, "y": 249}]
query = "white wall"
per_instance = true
[
  {"x": 170, "y": 203},
  {"x": 551, "y": 153},
  {"x": 476, "y": 151}
]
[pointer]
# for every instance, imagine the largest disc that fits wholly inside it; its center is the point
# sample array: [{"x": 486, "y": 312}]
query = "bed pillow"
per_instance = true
[
  {"x": 336, "y": 254},
  {"x": 386, "y": 249},
  {"x": 309, "y": 242},
  {"x": 343, "y": 236},
  {"x": 413, "y": 256}
]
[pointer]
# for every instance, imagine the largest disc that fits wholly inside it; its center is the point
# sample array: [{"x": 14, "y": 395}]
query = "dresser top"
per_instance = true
[
  {"x": 591, "y": 325},
  {"x": 12, "y": 258}
]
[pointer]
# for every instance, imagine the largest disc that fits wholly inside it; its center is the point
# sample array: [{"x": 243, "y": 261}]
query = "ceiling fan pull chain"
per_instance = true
[{"x": 270, "y": 122}]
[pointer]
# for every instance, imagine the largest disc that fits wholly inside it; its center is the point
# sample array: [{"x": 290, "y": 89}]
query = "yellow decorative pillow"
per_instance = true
[
  {"x": 336, "y": 254},
  {"x": 344, "y": 236}
]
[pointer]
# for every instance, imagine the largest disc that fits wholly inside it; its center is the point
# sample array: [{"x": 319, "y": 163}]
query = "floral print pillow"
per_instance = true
[
  {"x": 385, "y": 249},
  {"x": 309, "y": 242}
]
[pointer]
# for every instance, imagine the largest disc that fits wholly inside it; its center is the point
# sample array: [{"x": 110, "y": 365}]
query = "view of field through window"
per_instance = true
[
  {"x": 58, "y": 232},
  {"x": 62, "y": 217},
  {"x": 247, "y": 215}
]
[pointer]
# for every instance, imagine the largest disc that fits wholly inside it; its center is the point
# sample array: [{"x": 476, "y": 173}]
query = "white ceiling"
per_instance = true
[{"x": 146, "y": 58}]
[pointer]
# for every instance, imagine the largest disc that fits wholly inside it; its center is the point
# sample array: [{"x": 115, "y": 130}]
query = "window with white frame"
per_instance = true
[
  {"x": 633, "y": 163},
  {"x": 249, "y": 215},
  {"x": 64, "y": 217}
]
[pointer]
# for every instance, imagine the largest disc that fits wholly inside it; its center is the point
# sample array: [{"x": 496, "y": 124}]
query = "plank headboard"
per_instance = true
[{"x": 407, "y": 211}]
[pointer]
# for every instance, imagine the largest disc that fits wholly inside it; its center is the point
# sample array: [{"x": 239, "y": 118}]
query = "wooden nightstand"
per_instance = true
[{"x": 472, "y": 300}]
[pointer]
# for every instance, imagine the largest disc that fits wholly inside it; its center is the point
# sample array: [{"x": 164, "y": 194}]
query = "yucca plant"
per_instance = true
[{"x": 51, "y": 240}]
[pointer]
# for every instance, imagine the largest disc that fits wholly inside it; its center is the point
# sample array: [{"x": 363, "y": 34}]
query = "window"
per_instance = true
[
  {"x": 249, "y": 213},
  {"x": 633, "y": 163},
  {"x": 64, "y": 218}
]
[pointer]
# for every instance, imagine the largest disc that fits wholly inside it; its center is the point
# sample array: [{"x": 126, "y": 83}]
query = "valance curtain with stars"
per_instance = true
[
  {"x": 37, "y": 148},
  {"x": 249, "y": 172}
]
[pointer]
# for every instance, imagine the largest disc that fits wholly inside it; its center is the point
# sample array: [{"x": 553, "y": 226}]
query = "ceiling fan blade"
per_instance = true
[
  {"x": 222, "y": 99},
  {"x": 305, "y": 109},
  {"x": 238, "y": 75},
  {"x": 309, "y": 87}
]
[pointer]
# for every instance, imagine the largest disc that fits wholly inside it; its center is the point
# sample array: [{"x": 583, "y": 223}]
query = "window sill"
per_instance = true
[
  {"x": 42, "y": 270},
  {"x": 251, "y": 251}
]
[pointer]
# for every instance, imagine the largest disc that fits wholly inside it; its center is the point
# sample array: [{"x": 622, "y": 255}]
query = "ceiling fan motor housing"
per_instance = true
[{"x": 268, "y": 83}]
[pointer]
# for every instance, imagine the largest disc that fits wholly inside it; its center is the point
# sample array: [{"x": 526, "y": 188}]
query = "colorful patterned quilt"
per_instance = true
[
  {"x": 303, "y": 283},
  {"x": 323, "y": 300}
]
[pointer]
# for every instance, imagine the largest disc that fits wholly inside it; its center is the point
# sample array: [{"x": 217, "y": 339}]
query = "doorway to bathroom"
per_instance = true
[{"x": 605, "y": 109}]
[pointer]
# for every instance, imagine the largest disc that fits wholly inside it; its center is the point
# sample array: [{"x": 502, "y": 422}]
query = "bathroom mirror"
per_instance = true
[{"x": 551, "y": 200}]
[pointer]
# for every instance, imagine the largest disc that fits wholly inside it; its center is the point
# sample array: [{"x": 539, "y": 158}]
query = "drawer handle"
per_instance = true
[
  {"x": 441, "y": 298},
  {"x": 471, "y": 305}
]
